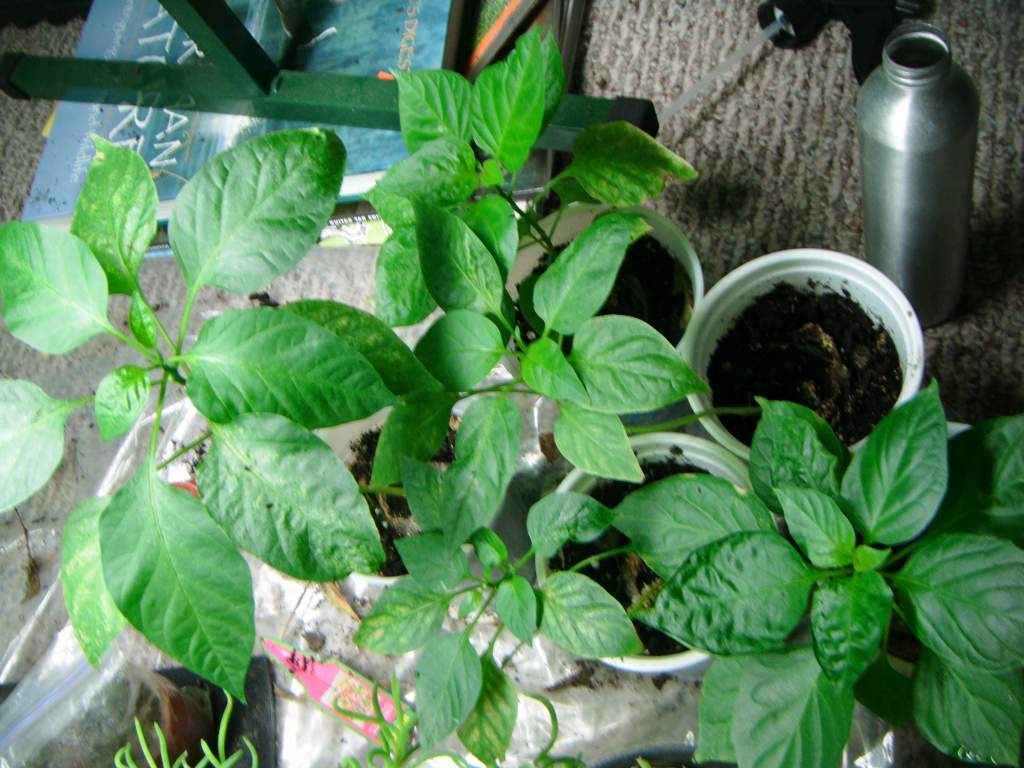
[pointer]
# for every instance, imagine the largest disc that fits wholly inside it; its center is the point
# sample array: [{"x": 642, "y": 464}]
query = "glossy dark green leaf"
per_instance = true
[
  {"x": 460, "y": 349},
  {"x": 54, "y": 291},
  {"x": 280, "y": 492},
  {"x": 718, "y": 692},
  {"x": 619, "y": 164},
  {"x": 848, "y": 619},
  {"x": 424, "y": 490},
  {"x": 31, "y": 439},
  {"x": 94, "y": 617},
  {"x": 969, "y": 714},
  {"x": 508, "y": 104},
  {"x": 487, "y": 732},
  {"x": 115, "y": 214},
  {"x": 867, "y": 558},
  {"x": 596, "y": 443},
  {"x": 263, "y": 360},
  {"x": 627, "y": 366},
  {"x": 121, "y": 397},
  {"x": 739, "y": 594},
  {"x": 250, "y": 214},
  {"x": 391, "y": 357},
  {"x": 403, "y": 618},
  {"x": 818, "y": 525},
  {"x": 433, "y": 104},
  {"x": 566, "y": 516},
  {"x": 178, "y": 579},
  {"x": 577, "y": 284},
  {"x": 789, "y": 713},
  {"x": 143, "y": 321},
  {"x": 581, "y": 617},
  {"x": 402, "y": 294},
  {"x": 449, "y": 676},
  {"x": 415, "y": 428},
  {"x": 667, "y": 520},
  {"x": 794, "y": 447},
  {"x": 885, "y": 692},
  {"x": 516, "y": 604},
  {"x": 491, "y": 219},
  {"x": 459, "y": 270},
  {"x": 430, "y": 563},
  {"x": 547, "y": 371},
  {"x": 963, "y": 595},
  {"x": 895, "y": 482}
]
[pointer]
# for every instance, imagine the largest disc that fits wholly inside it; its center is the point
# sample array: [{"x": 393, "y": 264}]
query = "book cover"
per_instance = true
[{"x": 365, "y": 37}]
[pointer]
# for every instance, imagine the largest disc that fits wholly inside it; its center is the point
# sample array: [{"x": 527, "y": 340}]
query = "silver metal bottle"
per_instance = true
[{"x": 917, "y": 125}]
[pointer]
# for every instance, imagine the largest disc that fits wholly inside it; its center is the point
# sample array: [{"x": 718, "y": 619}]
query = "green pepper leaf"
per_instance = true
[
  {"x": 424, "y": 490},
  {"x": 432, "y": 105},
  {"x": 718, "y": 693},
  {"x": 867, "y": 558},
  {"x": 546, "y": 371},
  {"x": 402, "y": 294},
  {"x": 516, "y": 604},
  {"x": 491, "y": 219},
  {"x": 596, "y": 443},
  {"x": 178, "y": 579},
  {"x": 885, "y": 692},
  {"x": 415, "y": 428},
  {"x": 115, "y": 214},
  {"x": 281, "y": 493},
  {"x": 963, "y": 595},
  {"x": 848, "y": 619},
  {"x": 487, "y": 732},
  {"x": 403, "y": 619},
  {"x": 554, "y": 76},
  {"x": 120, "y": 399},
  {"x": 430, "y": 563},
  {"x": 581, "y": 617},
  {"x": 450, "y": 677},
  {"x": 818, "y": 525},
  {"x": 489, "y": 548},
  {"x": 460, "y": 348},
  {"x": 250, "y": 214},
  {"x": 896, "y": 481},
  {"x": 54, "y": 291},
  {"x": 566, "y": 516},
  {"x": 143, "y": 321},
  {"x": 263, "y": 360}
]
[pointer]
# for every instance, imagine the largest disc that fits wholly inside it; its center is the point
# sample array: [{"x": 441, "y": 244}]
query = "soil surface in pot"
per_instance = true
[
  {"x": 391, "y": 514},
  {"x": 651, "y": 286},
  {"x": 624, "y": 576},
  {"x": 821, "y": 351}
]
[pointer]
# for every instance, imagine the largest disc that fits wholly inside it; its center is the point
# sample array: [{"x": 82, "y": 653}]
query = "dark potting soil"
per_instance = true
[
  {"x": 821, "y": 351},
  {"x": 624, "y": 576},
  {"x": 391, "y": 514}
]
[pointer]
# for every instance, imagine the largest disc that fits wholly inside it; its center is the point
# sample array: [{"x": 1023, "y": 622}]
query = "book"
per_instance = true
[{"x": 368, "y": 37}]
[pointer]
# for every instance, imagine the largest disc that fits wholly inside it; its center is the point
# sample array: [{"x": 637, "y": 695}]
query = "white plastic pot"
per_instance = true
[
  {"x": 807, "y": 268},
  {"x": 685, "y": 450}
]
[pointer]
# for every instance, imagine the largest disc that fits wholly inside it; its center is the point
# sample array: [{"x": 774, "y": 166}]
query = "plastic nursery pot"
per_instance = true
[
  {"x": 684, "y": 450},
  {"x": 669, "y": 756},
  {"x": 810, "y": 269}
]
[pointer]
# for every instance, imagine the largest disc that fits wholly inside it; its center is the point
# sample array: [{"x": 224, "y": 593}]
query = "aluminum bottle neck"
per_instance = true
[{"x": 916, "y": 54}]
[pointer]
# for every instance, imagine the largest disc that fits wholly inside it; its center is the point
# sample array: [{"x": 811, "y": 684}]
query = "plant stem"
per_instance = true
[
  {"x": 514, "y": 568},
  {"x": 553, "y": 718},
  {"x": 386, "y": 490},
  {"x": 509, "y": 658},
  {"x": 530, "y": 219},
  {"x": 601, "y": 556},
  {"x": 483, "y": 609},
  {"x": 738, "y": 410},
  {"x": 154, "y": 437},
  {"x": 185, "y": 316},
  {"x": 185, "y": 449},
  {"x": 125, "y": 339}
]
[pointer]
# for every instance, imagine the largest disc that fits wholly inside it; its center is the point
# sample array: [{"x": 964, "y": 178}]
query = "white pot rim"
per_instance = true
[{"x": 877, "y": 295}]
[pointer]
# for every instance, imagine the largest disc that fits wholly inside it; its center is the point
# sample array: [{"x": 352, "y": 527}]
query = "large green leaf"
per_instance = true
[
  {"x": 671, "y": 518},
  {"x": 743, "y": 593},
  {"x": 789, "y": 713},
  {"x": 280, "y": 492},
  {"x": 508, "y": 104},
  {"x": 120, "y": 399},
  {"x": 459, "y": 270},
  {"x": 627, "y": 366},
  {"x": 554, "y": 76},
  {"x": 794, "y": 446},
  {"x": 818, "y": 525},
  {"x": 430, "y": 563},
  {"x": 492, "y": 220},
  {"x": 619, "y": 164},
  {"x": 546, "y": 371},
  {"x": 415, "y": 428},
  {"x": 596, "y": 443},
  {"x": 431, "y": 105},
  {"x": 986, "y": 481},
  {"x": 963, "y": 595},
  {"x": 487, "y": 732},
  {"x": 577, "y": 284},
  {"x": 54, "y": 291},
  {"x": 94, "y": 617},
  {"x": 31, "y": 439},
  {"x": 566, "y": 516},
  {"x": 718, "y": 692},
  {"x": 460, "y": 348},
  {"x": 175, "y": 575},
  {"x": 115, "y": 214},
  {"x": 253, "y": 212},
  {"x": 404, "y": 617},
  {"x": 967, "y": 713},
  {"x": 449, "y": 677},
  {"x": 896, "y": 481},
  {"x": 402, "y": 294},
  {"x": 848, "y": 618},
  {"x": 424, "y": 490},
  {"x": 580, "y": 616},
  {"x": 391, "y": 357},
  {"x": 265, "y": 360},
  {"x": 516, "y": 604},
  {"x": 885, "y": 692}
]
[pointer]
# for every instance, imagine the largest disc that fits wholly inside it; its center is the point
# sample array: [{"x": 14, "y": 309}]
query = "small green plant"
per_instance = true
[{"x": 218, "y": 759}]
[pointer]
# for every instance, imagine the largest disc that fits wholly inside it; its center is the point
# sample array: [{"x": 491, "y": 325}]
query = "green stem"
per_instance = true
[
  {"x": 553, "y": 718},
  {"x": 514, "y": 568},
  {"x": 601, "y": 556},
  {"x": 494, "y": 640},
  {"x": 483, "y": 609},
  {"x": 159, "y": 325},
  {"x": 739, "y": 410},
  {"x": 125, "y": 339},
  {"x": 515, "y": 650},
  {"x": 386, "y": 490},
  {"x": 154, "y": 437},
  {"x": 185, "y": 317},
  {"x": 531, "y": 219},
  {"x": 185, "y": 449}
]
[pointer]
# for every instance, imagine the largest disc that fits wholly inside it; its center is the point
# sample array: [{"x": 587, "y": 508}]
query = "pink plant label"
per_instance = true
[{"x": 330, "y": 683}]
